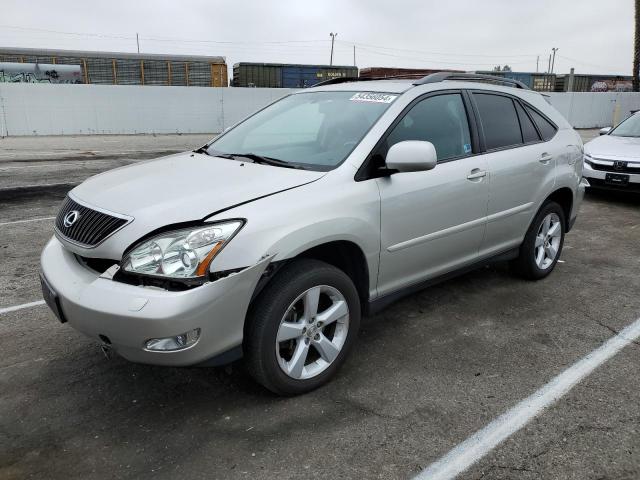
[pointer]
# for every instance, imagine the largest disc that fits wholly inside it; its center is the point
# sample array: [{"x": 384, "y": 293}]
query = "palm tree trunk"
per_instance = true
[{"x": 636, "y": 50}]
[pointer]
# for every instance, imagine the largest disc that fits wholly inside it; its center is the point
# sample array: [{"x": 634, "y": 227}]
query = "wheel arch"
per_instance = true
[
  {"x": 343, "y": 254},
  {"x": 564, "y": 197}
]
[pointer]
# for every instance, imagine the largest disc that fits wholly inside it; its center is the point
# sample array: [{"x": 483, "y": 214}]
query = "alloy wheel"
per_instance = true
[
  {"x": 312, "y": 332},
  {"x": 548, "y": 241}
]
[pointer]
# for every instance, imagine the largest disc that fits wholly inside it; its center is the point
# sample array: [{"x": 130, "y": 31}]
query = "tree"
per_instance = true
[{"x": 636, "y": 50}]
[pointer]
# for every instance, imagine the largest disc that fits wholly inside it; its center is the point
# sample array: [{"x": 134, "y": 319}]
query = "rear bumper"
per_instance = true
[{"x": 130, "y": 315}]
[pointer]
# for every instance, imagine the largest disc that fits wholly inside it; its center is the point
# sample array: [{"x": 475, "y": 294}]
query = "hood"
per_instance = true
[
  {"x": 613, "y": 147},
  {"x": 179, "y": 188}
]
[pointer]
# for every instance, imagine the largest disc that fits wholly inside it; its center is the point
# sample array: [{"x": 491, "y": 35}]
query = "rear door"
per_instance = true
[
  {"x": 522, "y": 167},
  {"x": 432, "y": 221}
]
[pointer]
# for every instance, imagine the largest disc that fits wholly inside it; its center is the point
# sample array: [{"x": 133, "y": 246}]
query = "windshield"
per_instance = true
[
  {"x": 628, "y": 128},
  {"x": 316, "y": 130}
]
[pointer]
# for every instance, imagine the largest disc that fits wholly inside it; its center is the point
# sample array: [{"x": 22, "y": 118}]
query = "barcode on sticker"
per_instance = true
[{"x": 373, "y": 97}]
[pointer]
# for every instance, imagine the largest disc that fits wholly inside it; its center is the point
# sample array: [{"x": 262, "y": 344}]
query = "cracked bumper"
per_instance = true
[{"x": 98, "y": 306}]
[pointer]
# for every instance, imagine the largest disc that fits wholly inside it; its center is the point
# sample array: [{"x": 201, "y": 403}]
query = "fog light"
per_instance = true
[{"x": 171, "y": 344}]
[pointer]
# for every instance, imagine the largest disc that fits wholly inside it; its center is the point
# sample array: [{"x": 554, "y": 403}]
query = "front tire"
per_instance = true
[
  {"x": 301, "y": 327},
  {"x": 542, "y": 244}
]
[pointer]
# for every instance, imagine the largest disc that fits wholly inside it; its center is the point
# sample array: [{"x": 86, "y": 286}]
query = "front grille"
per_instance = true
[
  {"x": 625, "y": 167},
  {"x": 90, "y": 228}
]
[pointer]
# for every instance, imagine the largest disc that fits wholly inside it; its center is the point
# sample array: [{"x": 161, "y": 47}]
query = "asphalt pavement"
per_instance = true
[{"x": 427, "y": 372}]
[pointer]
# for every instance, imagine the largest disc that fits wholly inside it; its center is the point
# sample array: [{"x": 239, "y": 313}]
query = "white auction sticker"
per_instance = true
[{"x": 373, "y": 97}]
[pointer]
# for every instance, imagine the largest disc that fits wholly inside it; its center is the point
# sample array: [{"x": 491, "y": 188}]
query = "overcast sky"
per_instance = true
[{"x": 594, "y": 36}]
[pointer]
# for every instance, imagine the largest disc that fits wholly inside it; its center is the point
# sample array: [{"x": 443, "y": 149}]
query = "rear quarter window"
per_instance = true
[
  {"x": 546, "y": 128},
  {"x": 529, "y": 133}
]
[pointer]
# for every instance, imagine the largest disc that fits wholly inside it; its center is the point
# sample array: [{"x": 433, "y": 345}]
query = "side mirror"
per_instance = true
[
  {"x": 605, "y": 130},
  {"x": 412, "y": 156}
]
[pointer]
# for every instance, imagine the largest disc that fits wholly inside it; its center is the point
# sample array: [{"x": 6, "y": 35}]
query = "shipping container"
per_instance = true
[
  {"x": 541, "y": 82},
  {"x": 117, "y": 68},
  {"x": 278, "y": 75},
  {"x": 593, "y": 83},
  {"x": 387, "y": 72},
  {"x": 16, "y": 72}
]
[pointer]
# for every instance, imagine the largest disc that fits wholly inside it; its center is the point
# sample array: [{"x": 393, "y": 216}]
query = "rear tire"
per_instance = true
[
  {"x": 542, "y": 244},
  {"x": 301, "y": 327}
]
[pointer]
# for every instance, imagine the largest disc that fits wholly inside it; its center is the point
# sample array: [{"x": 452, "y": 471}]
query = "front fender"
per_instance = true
[{"x": 288, "y": 223}]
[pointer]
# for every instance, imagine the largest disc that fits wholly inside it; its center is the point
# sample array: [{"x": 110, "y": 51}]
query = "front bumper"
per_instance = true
[
  {"x": 597, "y": 178},
  {"x": 130, "y": 315}
]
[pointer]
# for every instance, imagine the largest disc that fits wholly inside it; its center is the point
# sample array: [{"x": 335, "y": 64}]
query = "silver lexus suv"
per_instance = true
[{"x": 271, "y": 241}]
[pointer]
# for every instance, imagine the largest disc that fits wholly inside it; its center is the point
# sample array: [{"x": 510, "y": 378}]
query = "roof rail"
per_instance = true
[
  {"x": 471, "y": 77},
  {"x": 333, "y": 81}
]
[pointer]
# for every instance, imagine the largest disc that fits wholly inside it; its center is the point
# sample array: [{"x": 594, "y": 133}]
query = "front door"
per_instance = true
[{"x": 432, "y": 222}]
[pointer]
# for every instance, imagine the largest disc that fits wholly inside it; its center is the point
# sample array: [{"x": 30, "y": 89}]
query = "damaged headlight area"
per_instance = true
[{"x": 181, "y": 254}]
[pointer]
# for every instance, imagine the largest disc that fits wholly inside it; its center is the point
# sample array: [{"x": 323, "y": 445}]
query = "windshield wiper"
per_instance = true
[
  {"x": 254, "y": 157},
  {"x": 204, "y": 149},
  {"x": 266, "y": 160}
]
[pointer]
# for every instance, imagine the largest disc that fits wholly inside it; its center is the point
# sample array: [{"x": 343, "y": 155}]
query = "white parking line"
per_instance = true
[
  {"x": 483, "y": 441},
  {"x": 28, "y": 220},
  {"x": 20, "y": 307}
]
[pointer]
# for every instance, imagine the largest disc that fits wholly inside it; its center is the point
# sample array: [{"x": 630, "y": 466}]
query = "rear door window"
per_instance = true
[
  {"x": 499, "y": 121},
  {"x": 547, "y": 129},
  {"x": 529, "y": 133}
]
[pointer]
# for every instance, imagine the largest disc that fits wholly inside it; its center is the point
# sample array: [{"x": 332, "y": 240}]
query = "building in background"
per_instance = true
[
  {"x": 115, "y": 68},
  {"x": 281, "y": 75}
]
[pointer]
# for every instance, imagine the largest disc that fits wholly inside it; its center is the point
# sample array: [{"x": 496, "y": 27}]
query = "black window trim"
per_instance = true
[
  {"x": 535, "y": 127},
  {"x": 524, "y": 106},
  {"x": 362, "y": 173}
]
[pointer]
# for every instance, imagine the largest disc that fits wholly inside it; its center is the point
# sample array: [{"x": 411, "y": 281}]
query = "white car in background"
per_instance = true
[{"x": 612, "y": 161}]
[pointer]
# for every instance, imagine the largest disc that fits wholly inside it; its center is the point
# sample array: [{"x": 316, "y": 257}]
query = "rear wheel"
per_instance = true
[
  {"x": 301, "y": 327},
  {"x": 542, "y": 244}
]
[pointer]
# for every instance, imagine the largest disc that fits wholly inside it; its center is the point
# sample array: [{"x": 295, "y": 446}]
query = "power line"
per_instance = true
[
  {"x": 163, "y": 39},
  {"x": 314, "y": 46},
  {"x": 586, "y": 63},
  {"x": 422, "y": 59},
  {"x": 379, "y": 47}
]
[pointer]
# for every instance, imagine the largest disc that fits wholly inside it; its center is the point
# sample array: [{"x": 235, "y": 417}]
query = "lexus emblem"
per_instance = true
[{"x": 71, "y": 218}]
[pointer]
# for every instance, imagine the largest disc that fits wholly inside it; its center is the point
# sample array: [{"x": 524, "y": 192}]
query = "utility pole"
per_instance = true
[
  {"x": 138, "y": 42},
  {"x": 537, "y": 63},
  {"x": 553, "y": 62},
  {"x": 333, "y": 38},
  {"x": 354, "y": 55}
]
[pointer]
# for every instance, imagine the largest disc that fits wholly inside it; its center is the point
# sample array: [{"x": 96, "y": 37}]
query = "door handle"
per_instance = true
[
  {"x": 476, "y": 173},
  {"x": 545, "y": 159}
]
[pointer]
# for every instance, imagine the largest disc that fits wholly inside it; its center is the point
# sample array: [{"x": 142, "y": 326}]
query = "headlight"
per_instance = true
[
  {"x": 587, "y": 157},
  {"x": 181, "y": 253}
]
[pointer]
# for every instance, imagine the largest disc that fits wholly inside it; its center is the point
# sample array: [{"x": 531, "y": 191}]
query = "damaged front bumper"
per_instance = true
[{"x": 126, "y": 317}]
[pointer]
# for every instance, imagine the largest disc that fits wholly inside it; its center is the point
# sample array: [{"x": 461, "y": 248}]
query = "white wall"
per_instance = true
[
  {"x": 595, "y": 110},
  {"x": 46, "y": 109}
]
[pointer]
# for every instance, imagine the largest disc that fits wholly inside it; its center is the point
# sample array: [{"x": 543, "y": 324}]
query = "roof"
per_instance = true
[
  {"x": 403, "y": 85},
  {"x": 43, "y": 52}
]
